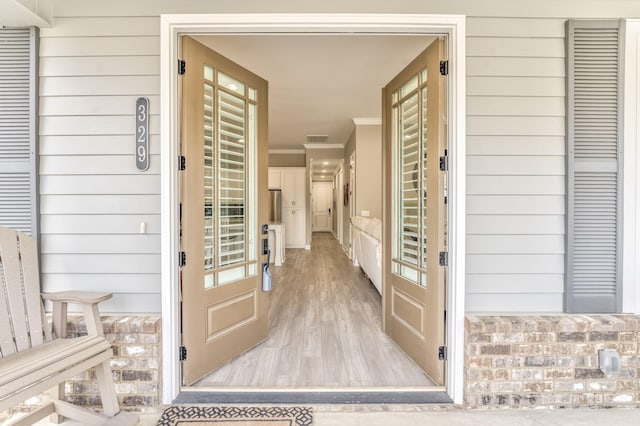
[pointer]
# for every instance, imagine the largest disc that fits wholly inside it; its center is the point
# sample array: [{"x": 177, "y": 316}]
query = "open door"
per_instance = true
[
  {"x": 415, "y": 210},
  {"x": 223, "y": 204}
]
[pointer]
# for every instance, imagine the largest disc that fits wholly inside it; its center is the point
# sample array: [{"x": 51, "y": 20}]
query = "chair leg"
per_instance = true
[
  {"x": 57, "y": 393},
  {"x": 107, "y": 389}
]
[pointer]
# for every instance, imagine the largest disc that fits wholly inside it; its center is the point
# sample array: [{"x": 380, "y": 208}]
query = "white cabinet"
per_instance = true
[
  {"x": 295, "y": 225},
  {"x": 275, "y": 178},
  {"x": 293, "y": 182},
  {"x": 294, "y": 187}
]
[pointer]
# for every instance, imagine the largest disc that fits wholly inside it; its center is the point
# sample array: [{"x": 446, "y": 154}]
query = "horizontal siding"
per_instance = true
[
  {"x": 505, "y": 224},
  {"x": 498, "y": 145},
  {"x": 92, "y": 145},
  {"x": 92, "y": 224},
  {"x": 94, "y": 105},
  {"x": 93, "y": 199},
  {"x": 515, "y": 303},
  {"x": 99, "y": 46},
  {"x": 515, "y": 185},
  {"x": 100, "y": 244},
  {"x": 515, "y": 164}
]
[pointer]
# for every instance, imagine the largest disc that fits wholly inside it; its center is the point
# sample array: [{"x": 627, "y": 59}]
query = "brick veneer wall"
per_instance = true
[
  {"x": 518, "y": 361},
  {"x": 136, "y": 363}
]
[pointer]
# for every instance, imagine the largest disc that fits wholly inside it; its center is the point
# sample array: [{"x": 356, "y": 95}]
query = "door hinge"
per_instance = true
[
  {"x": 444, "y": 163},
  {"x": 182, "y": 259},
  {"x": 444, "y": 258},
  {"x": 183, "y": 353},
  {"x": 182, "y": 162},
  {"x": 442, "y": 353},
  {"x": 444, "y": 67},
  {"x": 182, "y": 66}
]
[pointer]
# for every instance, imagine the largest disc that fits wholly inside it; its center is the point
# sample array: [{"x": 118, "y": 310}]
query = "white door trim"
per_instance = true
[{"x": 171, "y": 26}]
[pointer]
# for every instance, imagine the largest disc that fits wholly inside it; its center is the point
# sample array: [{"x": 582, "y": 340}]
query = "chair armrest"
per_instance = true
[
  {"x": 88, "y": 299},
  {"x": 81, "y": 297}
]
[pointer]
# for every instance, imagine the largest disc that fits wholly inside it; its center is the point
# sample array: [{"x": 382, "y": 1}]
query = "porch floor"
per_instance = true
[
  {"x": 325, "y": 330},
  {"x": 336, "y": 415}
]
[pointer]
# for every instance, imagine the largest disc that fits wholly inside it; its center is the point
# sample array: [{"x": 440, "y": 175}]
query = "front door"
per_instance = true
[
  {"x": 415, "y": 216},
  {"x": 322, "y": 200},
  {"x": 223, "y": 204}
]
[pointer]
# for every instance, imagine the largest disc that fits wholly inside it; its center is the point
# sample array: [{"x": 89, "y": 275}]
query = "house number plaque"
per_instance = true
[{"x": 142, "y": 134}]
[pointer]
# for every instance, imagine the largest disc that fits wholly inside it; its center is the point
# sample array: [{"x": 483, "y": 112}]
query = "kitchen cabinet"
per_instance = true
[{"x": 293, "y": 183}]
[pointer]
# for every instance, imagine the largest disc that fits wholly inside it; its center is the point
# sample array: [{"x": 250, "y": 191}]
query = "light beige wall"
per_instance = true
[
  {"x": 369, "y": 169},
  {"x": 287, "y": 160}
]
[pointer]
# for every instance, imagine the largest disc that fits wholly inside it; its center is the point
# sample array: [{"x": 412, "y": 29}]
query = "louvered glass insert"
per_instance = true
[
  {"x": 229, "y": 167},
  {"x": 409, "y": 180}
]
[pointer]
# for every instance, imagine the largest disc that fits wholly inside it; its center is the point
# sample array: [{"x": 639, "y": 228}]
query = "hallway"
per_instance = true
[{"x": 325, "y": 330}]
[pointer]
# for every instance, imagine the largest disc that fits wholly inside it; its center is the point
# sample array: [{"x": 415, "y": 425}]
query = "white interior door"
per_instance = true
[{"x": 322, "y": 195}]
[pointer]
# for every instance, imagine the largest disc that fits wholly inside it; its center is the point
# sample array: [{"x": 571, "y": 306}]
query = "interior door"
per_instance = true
[
  {"x": 322, "y": 199},
  {"x": 223, "y": 203},
  {"x": 414, "y": 200}
]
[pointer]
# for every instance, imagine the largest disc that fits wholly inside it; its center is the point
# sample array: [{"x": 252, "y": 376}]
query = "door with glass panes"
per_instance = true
[
  {"x": 415, "y": 202},
  {"x": 223, "y": 203}
]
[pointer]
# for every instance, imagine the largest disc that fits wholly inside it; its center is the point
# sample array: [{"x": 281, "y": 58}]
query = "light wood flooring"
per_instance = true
[{"x": 325, "y": 330}]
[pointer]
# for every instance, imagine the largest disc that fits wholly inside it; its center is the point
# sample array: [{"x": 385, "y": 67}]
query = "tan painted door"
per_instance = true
[
  {"x": 322, "y": 198},
  {"x": 224, "y": 202},
  {"x": 415, "y": 215}
]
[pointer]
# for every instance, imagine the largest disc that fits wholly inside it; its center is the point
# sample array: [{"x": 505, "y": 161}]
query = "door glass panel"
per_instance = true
[
  {"x": 209, "y": 187},
  {"x": 409, "y": 201},
  {"x": 409, "y": 174},
  {"x": 231, "y": 179},
  {"x": 230, "y": 83},
  {"x": 423, "y": 193},
  {"x": 230, "y": 164}
]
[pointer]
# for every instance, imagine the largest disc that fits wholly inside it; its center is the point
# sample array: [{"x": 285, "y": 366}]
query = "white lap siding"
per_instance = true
[
  {"x": 515, "y": 164},
  {"x": 93, "y": 199}
]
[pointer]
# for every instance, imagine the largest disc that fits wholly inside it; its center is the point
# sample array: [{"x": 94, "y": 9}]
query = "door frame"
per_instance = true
[{"x": 173, "y": 25}]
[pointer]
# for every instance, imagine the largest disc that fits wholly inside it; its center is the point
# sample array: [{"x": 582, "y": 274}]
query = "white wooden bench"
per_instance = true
[{"x": 35, "y": 356}]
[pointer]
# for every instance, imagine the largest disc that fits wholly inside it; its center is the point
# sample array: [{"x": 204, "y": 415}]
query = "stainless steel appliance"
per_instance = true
[{"x": 275, "y": 205}]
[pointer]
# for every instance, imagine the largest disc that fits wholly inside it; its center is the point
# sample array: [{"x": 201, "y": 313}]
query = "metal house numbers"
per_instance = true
[{"x": 142, "y": 134}]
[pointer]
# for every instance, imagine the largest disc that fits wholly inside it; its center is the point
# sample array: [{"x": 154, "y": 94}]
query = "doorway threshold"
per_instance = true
[{"x": 435, "y": 395}]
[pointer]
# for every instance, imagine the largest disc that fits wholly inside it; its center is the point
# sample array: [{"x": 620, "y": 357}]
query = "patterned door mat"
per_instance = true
[{"x": 200, "y": 415}]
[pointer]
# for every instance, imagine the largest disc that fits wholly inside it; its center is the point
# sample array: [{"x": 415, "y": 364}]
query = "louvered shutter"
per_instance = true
[
  {"x": 18, "y": 196},
  {"x": 594, "y": 165}
]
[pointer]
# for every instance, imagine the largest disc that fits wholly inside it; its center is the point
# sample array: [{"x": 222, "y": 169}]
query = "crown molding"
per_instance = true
[
  {"x": 323, "y": 146},
  {"x": 287, "y": 151},
  {"x": 360, "y": 121}
]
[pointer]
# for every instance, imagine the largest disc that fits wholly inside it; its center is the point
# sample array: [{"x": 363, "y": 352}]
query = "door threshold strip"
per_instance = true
[{"x": 304, "y": 396}]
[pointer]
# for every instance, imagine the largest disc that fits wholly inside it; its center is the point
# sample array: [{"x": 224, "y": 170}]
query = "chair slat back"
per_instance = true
[{"x": 22, "y": 321}]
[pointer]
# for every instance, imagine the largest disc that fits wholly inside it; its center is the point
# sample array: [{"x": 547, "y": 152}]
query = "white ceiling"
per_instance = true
[{"x": 319, "y": 83}]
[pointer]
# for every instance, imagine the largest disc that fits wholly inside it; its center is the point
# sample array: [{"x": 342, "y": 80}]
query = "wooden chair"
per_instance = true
[{"x": 36, "y": 357}]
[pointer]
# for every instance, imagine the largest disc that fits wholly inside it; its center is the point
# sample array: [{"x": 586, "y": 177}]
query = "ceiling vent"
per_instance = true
[{"x": 317, "y": 138}]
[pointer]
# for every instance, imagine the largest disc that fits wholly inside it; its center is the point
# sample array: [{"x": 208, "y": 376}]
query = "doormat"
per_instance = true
[{"x": 195, "y": 415}]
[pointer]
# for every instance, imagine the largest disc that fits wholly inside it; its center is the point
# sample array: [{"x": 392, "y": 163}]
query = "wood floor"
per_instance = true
[{"x": 325, "y": 330}]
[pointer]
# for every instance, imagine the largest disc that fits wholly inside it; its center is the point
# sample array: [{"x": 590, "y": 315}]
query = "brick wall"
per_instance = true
[
  {"x": 136, "y": 366},
  {"x": 517, "y": 361},
  {"x": 136, "y": 363}
]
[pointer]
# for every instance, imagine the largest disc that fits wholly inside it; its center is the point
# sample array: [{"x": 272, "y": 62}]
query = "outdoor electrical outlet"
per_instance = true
[{"x": 609, "y": 362}]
